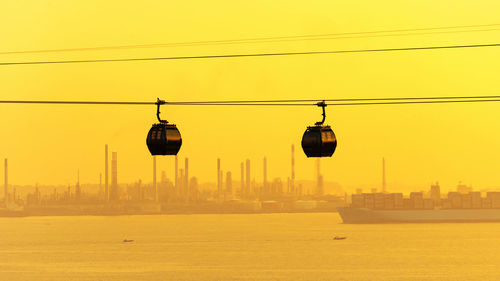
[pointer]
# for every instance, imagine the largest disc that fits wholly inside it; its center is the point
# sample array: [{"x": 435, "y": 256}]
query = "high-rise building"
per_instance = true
[
  {"x": 436, "y": 194},
  {"x": 113, "y": 193},
  {"x": 247, "y": 179},
  {"x": 6, "y": 183},
  {"x": 106, "y": 182}
]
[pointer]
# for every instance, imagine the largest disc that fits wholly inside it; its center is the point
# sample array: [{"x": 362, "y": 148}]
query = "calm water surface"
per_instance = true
[{"x": 244, "y": 247}]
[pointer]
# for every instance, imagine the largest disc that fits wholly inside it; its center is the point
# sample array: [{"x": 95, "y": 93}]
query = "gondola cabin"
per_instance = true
[
  {"x": 164, "y": 139},
  {"x": 319, "y": 141}
]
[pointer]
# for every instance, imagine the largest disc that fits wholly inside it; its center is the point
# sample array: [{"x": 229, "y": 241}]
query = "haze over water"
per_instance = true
[{"x": 243, "y": 247}]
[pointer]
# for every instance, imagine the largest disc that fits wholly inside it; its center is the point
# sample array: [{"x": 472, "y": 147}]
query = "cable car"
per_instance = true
[
  {"x": 319, "y": 140},
  {"x": 163, "y": 138}
]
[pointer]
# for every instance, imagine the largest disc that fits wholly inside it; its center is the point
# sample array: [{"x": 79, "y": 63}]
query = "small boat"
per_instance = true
[
  {"x": 127, "y": 241},
  {"x": 339, "y": 238}
]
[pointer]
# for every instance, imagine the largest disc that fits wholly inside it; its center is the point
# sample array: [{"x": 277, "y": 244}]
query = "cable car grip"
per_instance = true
[
  {"x": 322, "y": 104},
  {"x": 158, "y": 103}
]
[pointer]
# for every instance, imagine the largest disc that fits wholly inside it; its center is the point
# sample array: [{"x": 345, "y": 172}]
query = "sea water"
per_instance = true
[{"x": 244, "y": 247}]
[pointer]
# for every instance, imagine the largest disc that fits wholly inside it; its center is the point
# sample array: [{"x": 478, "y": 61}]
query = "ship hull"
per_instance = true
[{"x": 364, "y": 215}]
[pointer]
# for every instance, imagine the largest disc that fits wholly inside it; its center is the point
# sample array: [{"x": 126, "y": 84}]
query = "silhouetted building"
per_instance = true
[
  {"x": 436, "y": 194},
  {"x": 462, "y": 188}
]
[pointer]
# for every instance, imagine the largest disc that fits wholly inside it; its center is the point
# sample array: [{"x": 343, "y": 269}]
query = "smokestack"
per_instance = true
[
  {"x": 292, "y": 181},
  {"x": 265, "y": 172},
  {"x": 186, "y": 178},
  {"x": 154, "y": 179},
  {"x": 6, "y": 184},
  {"x": 383, "y": 176},
  {"x": 242, "y": 180},
  {"x": 219, "y": 183},
  {"x": 247, "y": 185},
  {"x": 106, "y": 183},
  {"x": 113, "y": 194}
]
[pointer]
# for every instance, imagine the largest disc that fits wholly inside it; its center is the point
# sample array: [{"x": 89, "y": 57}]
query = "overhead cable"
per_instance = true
[
  {"x": 253, "y": 55},
  {"x": 297, "y": 102},
  {"x": 327, "y": 36}
]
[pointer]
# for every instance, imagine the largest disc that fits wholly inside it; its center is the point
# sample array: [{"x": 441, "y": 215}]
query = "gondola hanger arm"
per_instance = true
[
  {"x": 322, "y": 104},
  {"x": 158, "y": 103}
]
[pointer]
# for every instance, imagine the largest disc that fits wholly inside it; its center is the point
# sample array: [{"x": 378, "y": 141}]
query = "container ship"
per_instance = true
[{"x": 395, "y": 208}]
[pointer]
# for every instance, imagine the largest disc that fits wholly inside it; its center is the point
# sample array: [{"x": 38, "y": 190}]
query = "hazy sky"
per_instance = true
[{"x": 422, "y": 143}]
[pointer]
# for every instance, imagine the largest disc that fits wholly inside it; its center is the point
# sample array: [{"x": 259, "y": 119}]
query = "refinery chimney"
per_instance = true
[
  {"x": 6, "y": 184},
  {"x": 106, "y": 181}
]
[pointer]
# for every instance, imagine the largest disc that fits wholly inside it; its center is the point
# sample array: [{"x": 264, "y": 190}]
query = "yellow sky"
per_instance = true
[{"x": 422, "y": 143}]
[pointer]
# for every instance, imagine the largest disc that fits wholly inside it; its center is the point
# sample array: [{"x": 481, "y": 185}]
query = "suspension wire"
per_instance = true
[
  {"x": 327, "y": 36},
  {"x": 77, "y": 102},
  {"x": 335, "y": 100},
  {"x": 253, "y": 55},
  {"x": 343, "y": 102}
]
